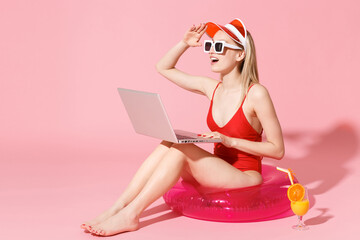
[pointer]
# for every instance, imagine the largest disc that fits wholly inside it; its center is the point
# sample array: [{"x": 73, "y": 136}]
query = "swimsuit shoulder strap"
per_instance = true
[
  {"x": 247, "y": 94},
  {"x": 250, "y": 87}
]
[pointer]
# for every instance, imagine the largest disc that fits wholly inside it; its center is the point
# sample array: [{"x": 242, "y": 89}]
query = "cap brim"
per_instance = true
[{"x": 212, "y": 29}]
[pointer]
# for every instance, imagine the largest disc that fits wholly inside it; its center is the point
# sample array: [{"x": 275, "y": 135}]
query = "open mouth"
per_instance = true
[{"x": 214, "y": 60}]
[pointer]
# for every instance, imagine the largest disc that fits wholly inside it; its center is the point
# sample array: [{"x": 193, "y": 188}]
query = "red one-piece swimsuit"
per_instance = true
[{"x": 237, "y": 127}]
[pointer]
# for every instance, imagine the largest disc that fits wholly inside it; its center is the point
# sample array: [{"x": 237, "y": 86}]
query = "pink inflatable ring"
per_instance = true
[{"x": 258, "y": 203}]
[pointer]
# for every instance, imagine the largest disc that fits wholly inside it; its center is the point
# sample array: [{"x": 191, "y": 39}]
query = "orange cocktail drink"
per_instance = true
[
  {"x": 300, "y": 208},
  {"x": 299, "y": 199}
]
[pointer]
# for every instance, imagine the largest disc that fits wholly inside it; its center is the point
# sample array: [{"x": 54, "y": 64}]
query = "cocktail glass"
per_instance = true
[{"x": 300, "y": 208}]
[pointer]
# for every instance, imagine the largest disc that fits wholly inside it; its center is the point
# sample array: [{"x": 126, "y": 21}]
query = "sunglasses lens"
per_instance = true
[
  {"x": 207, "y": 46},
  {"x": 218, "y": 47}
]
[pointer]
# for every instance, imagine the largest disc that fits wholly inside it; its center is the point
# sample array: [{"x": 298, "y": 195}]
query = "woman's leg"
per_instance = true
[
  {"x": 213, "y": 172},
  {"x": 206, "y": 168},
  {"x": 136, "y": 184},
  {"x": 164, "y": 177}
]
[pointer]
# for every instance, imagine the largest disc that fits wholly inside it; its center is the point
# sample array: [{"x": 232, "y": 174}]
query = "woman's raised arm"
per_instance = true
[{"x": 166, "y": 65}]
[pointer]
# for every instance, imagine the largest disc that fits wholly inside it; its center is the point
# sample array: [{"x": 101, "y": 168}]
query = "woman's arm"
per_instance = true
[
  {"x": 273, "y": 147},
  {"x": 166, "y": 65}
]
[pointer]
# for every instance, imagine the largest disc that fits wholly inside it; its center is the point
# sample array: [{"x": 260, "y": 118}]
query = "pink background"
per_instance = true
[{"x": 62, "y": 125}]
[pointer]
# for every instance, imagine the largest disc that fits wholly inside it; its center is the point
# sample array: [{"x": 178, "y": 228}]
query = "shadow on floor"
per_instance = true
[
  {"x": 323, "y": 217},
  {"x": 326, "y": 158},
  {"x": 324, "y": 162},
  {"x": 156, "y": 210}
]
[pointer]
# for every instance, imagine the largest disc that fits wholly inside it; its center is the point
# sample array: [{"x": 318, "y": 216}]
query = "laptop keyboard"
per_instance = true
[{"x": 181, "y": 137}]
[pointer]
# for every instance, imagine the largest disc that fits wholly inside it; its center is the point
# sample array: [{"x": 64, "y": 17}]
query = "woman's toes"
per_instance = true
[
  {"x": 83, "y": 226},
  {"x": 97, "y": 231}
]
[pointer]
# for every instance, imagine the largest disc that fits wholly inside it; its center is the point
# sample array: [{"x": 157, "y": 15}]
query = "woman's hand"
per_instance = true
[
  {"x": 225, "y": 140},
  {"x": 194, "y": 34}
]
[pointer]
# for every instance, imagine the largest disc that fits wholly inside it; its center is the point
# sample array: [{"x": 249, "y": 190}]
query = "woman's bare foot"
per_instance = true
[
  {"x": 101, "y": 218},
  {"x": 120, "y": 222}
]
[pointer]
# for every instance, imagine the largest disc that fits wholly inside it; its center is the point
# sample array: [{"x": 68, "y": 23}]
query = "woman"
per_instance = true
[{"x": 240, "y": 110}]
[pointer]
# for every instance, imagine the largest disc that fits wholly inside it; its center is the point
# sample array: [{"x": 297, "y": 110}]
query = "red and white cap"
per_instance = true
[{"x": 236, "y": 30}]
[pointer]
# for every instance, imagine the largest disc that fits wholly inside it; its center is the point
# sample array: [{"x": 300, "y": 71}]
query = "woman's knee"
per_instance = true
[
  {"x": 181, "y": 150},
  {"x": 184, "y": 148},
  {"x": 173, "y": 151},
  {"x": 177, "y": 149}
]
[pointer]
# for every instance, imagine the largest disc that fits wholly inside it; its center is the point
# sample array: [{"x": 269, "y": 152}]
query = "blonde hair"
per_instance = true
[{"x": 248, "y": 67}]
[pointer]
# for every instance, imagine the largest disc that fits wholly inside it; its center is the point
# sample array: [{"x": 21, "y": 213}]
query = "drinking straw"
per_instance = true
[{"x": 288, "y": 172}]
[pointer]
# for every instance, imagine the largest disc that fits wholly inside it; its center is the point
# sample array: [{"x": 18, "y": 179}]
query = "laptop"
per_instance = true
[{"x": 148, "y": 117}]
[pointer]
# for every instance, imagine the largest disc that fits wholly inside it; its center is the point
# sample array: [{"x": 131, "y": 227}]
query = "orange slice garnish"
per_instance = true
[{"x": 296, "y": 192}]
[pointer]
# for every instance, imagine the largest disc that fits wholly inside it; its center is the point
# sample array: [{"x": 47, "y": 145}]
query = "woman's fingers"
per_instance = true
[
  {"x": 203, "y": 29},
  {"x": 192, "y": 28},
  {"x": 210, "y": 135},
  {"x": 198, "y": 27},
  {"x": 204, "y": 135},
  {"x": 193, "y": 35}
]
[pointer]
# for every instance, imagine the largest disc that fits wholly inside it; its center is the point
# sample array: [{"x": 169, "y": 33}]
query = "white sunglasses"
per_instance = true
[{"x": 218, "y": 46}]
